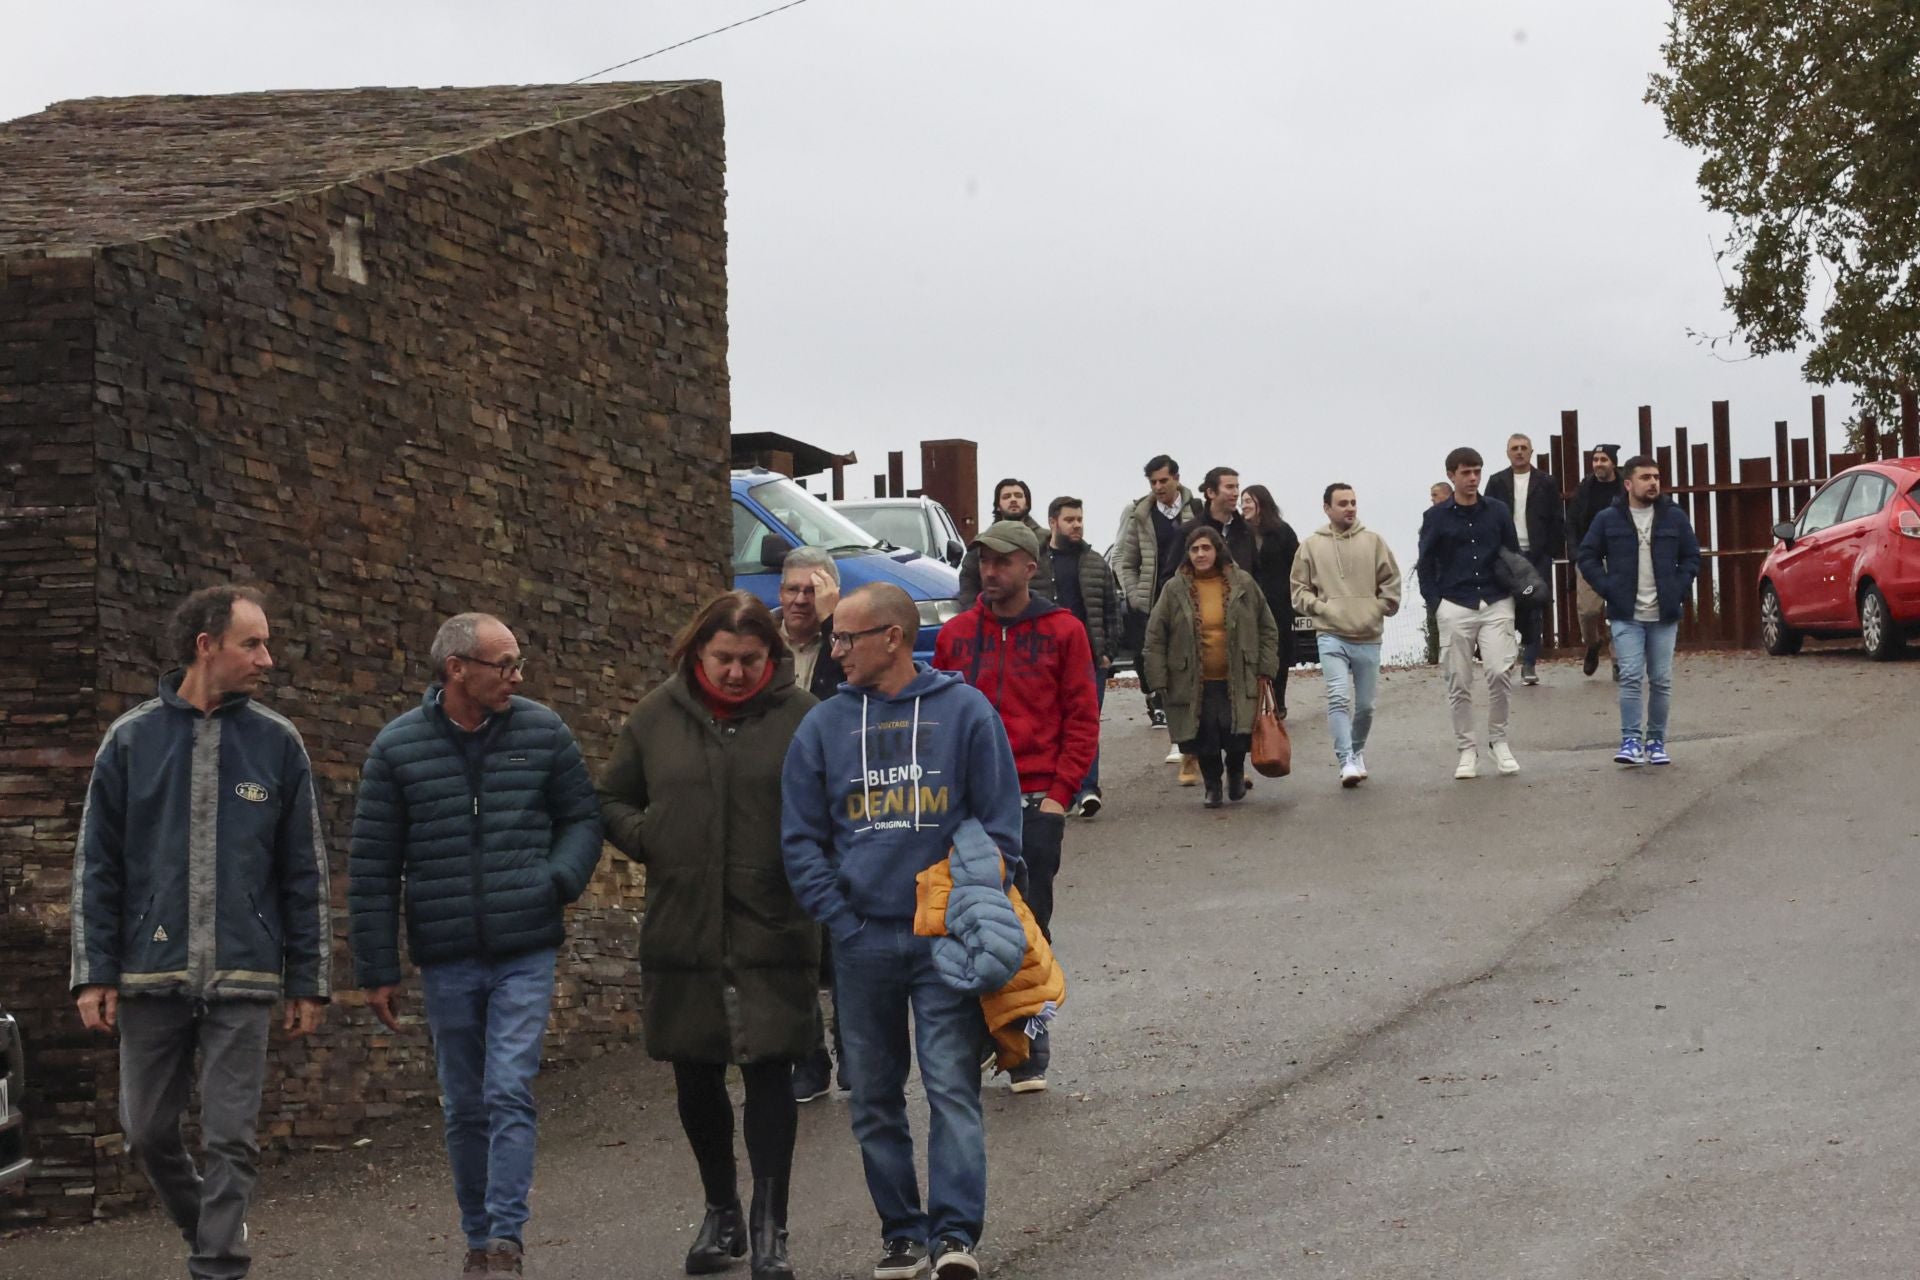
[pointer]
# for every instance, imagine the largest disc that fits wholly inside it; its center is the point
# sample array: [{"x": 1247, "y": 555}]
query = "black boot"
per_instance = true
[
  {"x": 769, "y": 1229},
  {"x": 1237, "y": 783},
  {"x": 721, "y": 1243},
  {"x": 1214, "y": 799}
]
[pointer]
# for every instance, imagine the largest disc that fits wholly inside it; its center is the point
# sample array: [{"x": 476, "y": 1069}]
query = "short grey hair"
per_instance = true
[
  {"x": 456, "y": 638},
  {"x": 811, "y": 558}
]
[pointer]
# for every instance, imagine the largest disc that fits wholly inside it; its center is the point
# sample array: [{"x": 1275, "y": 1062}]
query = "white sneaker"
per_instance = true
[
  {"x": 1503, "y": 758},
  {"x": 1350, "y": 772},
  {"x": 1173, "y": 754},
  {"x": 1469, "y": 766},
  {"x": 1360, "y": 763}
]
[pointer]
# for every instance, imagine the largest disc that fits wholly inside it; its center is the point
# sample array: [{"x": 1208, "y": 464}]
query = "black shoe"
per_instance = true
[
  {"x": 1528, "y": 675},
  {"x": 1158, "y": 717},
  {"x": 813, "y": 1076},
  {"x": 954, "y": 1260},
  {"x": 1214, "y": 799},
  {"x": 1090, "y": 804},
  {"x": 902, "y": 1260},
  {"x": 768, "y": 1229},
  {"x": 721, "y": 1243},
  {"x": 1237, "y": 787},
  {"x": 1591, "y": 663}
]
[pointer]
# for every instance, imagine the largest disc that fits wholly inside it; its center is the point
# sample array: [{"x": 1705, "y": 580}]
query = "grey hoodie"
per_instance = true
[{"x": 1347, "y": 582}]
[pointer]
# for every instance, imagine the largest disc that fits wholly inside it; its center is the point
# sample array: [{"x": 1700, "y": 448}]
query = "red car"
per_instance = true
[{"x": 1849, "y": 564}]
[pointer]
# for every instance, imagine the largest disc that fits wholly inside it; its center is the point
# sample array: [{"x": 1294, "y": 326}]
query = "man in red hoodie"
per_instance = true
[{"x": 1032, "y": 660}]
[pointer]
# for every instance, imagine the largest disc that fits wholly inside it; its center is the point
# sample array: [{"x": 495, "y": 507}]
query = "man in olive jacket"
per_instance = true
[{"x": 480, "y": 802}]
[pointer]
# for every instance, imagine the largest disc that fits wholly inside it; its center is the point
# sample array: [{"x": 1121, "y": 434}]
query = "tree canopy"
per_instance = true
[{"x": 1808, "y": 115}]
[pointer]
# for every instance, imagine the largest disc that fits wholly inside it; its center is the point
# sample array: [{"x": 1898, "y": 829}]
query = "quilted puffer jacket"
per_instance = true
[
  {"x": 1016, "y": 1011},
  {"x": 489, "y": 851}
]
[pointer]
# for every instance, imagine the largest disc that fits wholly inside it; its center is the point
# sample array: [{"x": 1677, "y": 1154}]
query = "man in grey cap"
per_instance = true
[{"x": 1033, "y": 661}]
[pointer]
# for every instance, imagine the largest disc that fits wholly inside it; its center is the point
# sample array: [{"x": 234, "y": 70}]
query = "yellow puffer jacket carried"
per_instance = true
[{"x": 1039, "y": 984}]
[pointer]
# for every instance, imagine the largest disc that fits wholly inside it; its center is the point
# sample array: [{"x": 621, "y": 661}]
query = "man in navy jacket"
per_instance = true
[
  {"x": 480, "y": 802},
  {"x": 1640, "y": 554},
  {"x": 1460, "y": 544},
  {"x": 199, "y": 898}
]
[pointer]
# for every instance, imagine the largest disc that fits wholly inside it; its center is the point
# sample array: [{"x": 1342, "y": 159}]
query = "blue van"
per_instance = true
[{"x": 772, "y": 515}]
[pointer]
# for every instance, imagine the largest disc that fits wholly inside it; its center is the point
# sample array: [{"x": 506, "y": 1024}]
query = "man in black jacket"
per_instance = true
[
  {"x": 809, "y": 593},
  {"x": 1012, "y": 500},
  {"x": 1220, "y": 492},
  {"x": 1600, "y": 490},
  {"x": 200, "y": 897},
  {"x": 1540, "y": 520},
  {"x": 1085, "y": 585},
  {"x": 480, "y": 801}
]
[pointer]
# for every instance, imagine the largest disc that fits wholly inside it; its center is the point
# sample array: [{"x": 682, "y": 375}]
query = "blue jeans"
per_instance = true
[
  {"x": 1352, "y": 672},
  {"x": 879, "y": 973},
  {"x": 1644, "y": 650},
  {"x": 488, "y": 1018},
  {"x": 1091, "y": 786}
]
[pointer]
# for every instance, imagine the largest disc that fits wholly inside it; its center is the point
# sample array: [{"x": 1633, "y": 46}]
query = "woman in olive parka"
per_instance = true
[{"x": 729, "y": 963}]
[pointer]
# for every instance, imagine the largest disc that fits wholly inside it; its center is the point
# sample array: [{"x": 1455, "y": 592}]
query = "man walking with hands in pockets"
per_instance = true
[{"x": 1346, "y": 579}]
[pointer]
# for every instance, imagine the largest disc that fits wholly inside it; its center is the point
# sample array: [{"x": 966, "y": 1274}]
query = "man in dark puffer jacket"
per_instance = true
[{"x": 481, "y": 802}]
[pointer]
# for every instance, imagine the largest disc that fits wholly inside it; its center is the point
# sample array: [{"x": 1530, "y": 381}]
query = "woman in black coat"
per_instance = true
[
  {"x": 728, "y": 960},
  {"x": 1274, "y": 547}
]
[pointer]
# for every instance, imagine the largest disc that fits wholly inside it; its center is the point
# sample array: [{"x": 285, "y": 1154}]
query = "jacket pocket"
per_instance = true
[
  {"x": 1350, "y": 614},
  {"x": 260, "y": 919}
]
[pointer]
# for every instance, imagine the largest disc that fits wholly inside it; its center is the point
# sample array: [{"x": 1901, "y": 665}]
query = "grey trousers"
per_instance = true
[
  {"x": 1491, "y": 628},
  {"x": 158, "y": 1039}
]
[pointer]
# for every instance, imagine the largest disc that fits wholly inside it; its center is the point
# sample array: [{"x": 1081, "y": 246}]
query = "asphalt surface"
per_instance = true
[{"x": 1583, "y": 1022}]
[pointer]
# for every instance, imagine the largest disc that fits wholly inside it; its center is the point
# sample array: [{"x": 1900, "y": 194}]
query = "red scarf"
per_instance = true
[{"x": 723, "y": 706}]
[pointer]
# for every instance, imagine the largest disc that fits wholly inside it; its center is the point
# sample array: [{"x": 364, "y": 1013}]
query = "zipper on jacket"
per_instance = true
[{"x": 476, "y": 849}]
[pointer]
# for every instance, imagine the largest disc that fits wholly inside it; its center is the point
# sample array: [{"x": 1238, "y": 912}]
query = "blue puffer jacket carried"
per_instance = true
[
  {"x": 1609, "y": 558},
  {"x": 200, "y": 870},
  {"x": 491, "y": 845}
]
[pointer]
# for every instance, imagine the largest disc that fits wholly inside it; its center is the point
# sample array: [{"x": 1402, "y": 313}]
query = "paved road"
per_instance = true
[{"x": 1580, "y": 1023}]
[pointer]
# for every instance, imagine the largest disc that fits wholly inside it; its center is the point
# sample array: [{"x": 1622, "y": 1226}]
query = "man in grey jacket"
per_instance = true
[
  {"x": 1146, "y": 554},
  {"x": 199, "y": 898},
  {"x": 479, "y": 801}
]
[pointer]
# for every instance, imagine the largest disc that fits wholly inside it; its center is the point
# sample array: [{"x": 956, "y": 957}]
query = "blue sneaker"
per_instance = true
[
  {"x": 1630, "y": 752},
  {"x": 1657, "y": 752}
]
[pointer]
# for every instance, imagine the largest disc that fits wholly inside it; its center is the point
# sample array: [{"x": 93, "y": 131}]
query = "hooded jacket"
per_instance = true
[
  {"x": 1136, "y": 556},
  {"x": 874, "y": 787},
  {"x": 1037, "y": 670},
  {"x": 200, "y": 870},
  {"x": 1042, "y": 584},
  {"x": 729, "y": 963},
  {"x": 1172, "y": 655},
  {"x": 1346, "y": 580},
  {"x": 491, "y": 850},
  {"x": 1609, "y": 558}
]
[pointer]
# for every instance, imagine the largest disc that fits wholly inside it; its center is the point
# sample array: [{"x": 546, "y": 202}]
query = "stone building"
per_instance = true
[{"x": 391, "y": 353}]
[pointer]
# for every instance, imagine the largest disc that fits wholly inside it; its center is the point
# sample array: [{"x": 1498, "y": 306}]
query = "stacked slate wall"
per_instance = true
[{"x": 493, "y": 381}]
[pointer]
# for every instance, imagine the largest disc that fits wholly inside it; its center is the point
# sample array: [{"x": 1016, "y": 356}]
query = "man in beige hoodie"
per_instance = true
[{"x": 1346, "y": 579}]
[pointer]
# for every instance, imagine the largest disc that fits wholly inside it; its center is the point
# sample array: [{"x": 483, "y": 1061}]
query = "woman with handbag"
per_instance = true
[
  {"x": 728, "y": 960},
  {"x": 1211, "y": 644},
  {"x": 1274, "y": 546}
]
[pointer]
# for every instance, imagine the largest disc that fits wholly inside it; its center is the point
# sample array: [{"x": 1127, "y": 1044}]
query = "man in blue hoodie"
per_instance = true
[{"x": 875, "y": 783}]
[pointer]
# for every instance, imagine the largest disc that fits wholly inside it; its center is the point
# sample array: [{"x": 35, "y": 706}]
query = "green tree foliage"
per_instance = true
[{"x": 1808, "y": 114}]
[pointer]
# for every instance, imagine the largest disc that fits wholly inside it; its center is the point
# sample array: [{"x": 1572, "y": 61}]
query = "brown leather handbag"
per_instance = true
[{"x": 1272, "y": 748}]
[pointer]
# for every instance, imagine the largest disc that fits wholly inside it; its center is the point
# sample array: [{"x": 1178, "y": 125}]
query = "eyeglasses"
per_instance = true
[
  {"x": 845, "y": 639},
  {"x": 506, "y": 666}
]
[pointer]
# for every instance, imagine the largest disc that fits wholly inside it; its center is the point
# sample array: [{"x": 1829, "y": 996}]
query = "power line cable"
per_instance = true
[{"x": 791, "y": 4}]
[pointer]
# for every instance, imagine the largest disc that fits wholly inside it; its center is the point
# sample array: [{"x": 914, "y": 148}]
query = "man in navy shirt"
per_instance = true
[{"x": 1460, "y": 543}]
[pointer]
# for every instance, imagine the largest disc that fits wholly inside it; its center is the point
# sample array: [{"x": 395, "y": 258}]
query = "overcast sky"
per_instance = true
[{"x": 1310, "y": 241}]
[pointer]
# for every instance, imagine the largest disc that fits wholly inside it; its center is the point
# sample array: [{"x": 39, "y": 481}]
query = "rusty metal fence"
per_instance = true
[{"x": 1733, "y": 503}]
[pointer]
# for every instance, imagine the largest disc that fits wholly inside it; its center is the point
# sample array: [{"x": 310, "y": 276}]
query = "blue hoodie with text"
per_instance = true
[{"x": 874, "y": 787}]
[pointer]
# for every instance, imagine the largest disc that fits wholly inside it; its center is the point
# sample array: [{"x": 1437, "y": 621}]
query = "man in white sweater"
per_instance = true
[{"x": 1346, "y": 579}]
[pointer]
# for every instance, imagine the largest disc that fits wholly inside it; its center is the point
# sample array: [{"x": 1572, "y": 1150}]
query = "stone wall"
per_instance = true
[{"x": 493, "y": 381}]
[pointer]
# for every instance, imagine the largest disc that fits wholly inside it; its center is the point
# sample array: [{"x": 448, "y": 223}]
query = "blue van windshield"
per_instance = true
[{"x": 806, "y": 517}]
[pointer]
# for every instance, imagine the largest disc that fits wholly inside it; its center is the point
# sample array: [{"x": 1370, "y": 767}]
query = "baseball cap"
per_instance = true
[{"x": 1007, "y": 537}]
